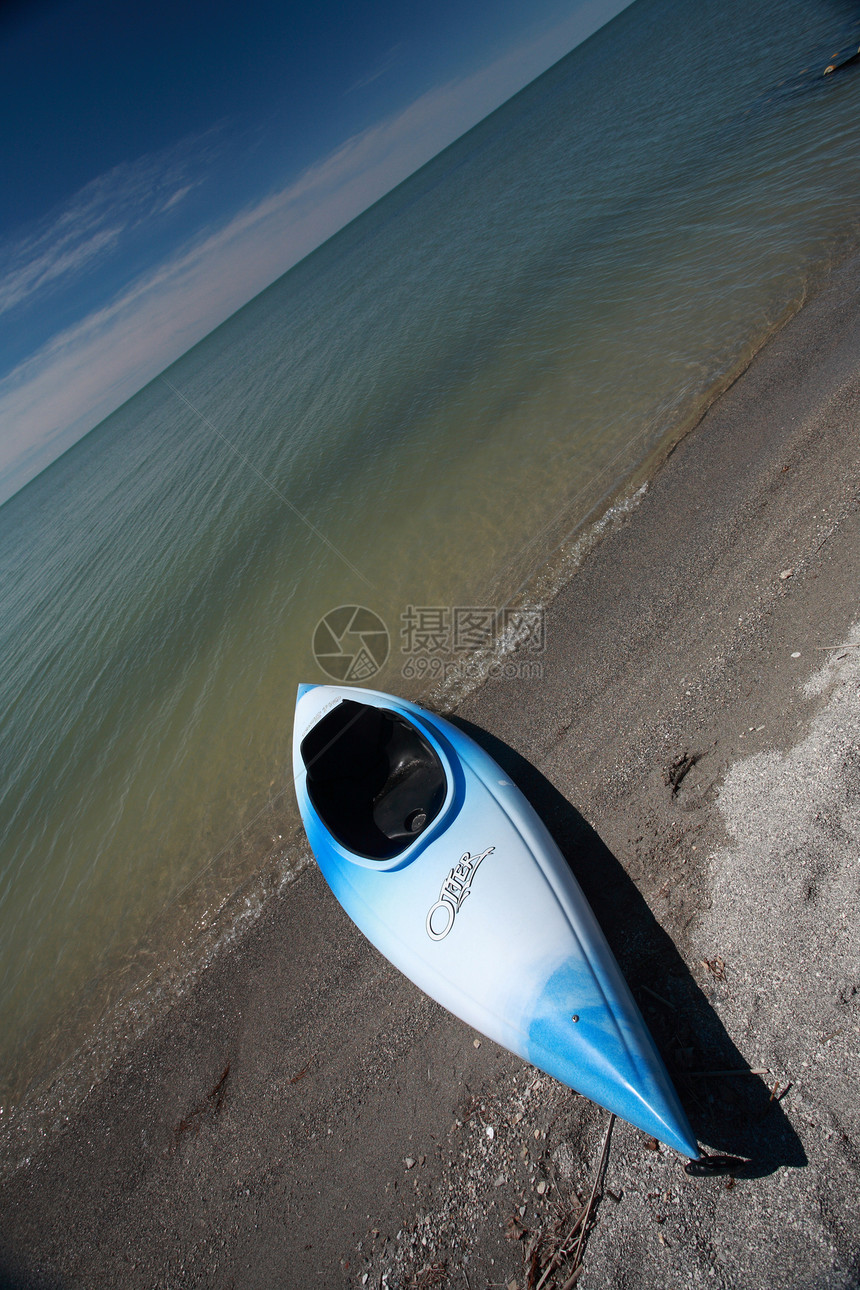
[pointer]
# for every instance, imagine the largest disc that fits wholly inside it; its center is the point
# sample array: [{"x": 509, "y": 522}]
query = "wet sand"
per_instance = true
[{"x": 305, "y": 1117}]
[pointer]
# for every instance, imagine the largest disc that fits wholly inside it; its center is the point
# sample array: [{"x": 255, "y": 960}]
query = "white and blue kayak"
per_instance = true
[{"x": 446, "y": 868}]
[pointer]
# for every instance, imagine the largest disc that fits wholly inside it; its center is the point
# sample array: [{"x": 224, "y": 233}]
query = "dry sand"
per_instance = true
[{"x": 305, "y": 1117}]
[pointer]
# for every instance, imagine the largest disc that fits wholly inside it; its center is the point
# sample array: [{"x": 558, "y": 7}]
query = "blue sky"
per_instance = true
[{"x": 161, "y": 164}]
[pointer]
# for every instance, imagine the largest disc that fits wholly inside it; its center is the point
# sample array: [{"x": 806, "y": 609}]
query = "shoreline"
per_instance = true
[{"x": 259, "y": 1134}]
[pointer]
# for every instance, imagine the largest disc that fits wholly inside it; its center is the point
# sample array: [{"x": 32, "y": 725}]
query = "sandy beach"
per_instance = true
[{"x": 344, "y": 1131}]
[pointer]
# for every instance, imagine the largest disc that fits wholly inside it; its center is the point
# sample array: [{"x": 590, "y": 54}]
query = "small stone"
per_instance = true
[
  {"x": 491, "y": 1132},
  {"x": 786, "y": 573},
  {"x": 476, "y": 1043},
  {"x": 541, "y": 1187},
  {"x": 537, "y": 1133},
  {"x": 409, "y": 1162},
  {"x": 796, "y": 654}
]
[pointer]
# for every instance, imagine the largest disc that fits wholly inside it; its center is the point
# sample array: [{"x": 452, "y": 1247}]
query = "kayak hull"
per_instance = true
[{"x": 481, "y": 910}]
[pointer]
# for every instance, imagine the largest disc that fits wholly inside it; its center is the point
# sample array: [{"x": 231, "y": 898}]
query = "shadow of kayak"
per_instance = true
[{"x": 736, "y": 1114}]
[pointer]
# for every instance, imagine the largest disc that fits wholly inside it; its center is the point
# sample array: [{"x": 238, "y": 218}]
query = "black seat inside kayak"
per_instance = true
[{"x": 373, "y": 779}]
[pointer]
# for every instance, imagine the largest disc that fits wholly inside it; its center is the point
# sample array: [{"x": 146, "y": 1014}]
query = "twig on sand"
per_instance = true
[
  {"x": 435, "y": 1274},
  {"x": 826, "y": 538},
  {"x": 206, "y": 1109},
  {"x": 581, "y": 1226},
  {"x": 735, "y": 1070},
  {"x": 559, "y": 1255},
  {"x": 598, "y": 1179},
  {"x": 659, "y": 997},
  {"x": 683, "y": 763}
]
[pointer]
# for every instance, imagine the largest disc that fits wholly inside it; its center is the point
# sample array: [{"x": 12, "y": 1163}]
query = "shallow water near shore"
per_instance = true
[{"x": 412, "y": 419}]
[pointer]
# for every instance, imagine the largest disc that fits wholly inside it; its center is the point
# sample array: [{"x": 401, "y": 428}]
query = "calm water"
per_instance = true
[{"x": 421, "y": 413}]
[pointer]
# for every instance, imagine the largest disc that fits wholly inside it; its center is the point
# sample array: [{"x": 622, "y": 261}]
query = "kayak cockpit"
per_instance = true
[{"x": 374, "y": 780}]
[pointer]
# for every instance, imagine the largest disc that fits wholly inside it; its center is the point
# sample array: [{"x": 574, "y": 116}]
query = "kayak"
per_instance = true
[{"x": 446, "y": 868}]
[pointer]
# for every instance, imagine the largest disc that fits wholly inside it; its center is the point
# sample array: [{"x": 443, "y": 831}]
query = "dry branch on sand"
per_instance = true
[{"x": 556, "y": 1251}]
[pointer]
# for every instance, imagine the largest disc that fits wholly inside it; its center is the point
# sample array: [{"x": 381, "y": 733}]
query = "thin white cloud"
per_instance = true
[
  {"x": 387, "y": 63},
  {"x": 175, "y": 198},
  {"x": 45, "y": 264},
  {"x": 87, "y": 371},
  {"x": 95, "y": 220}
]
